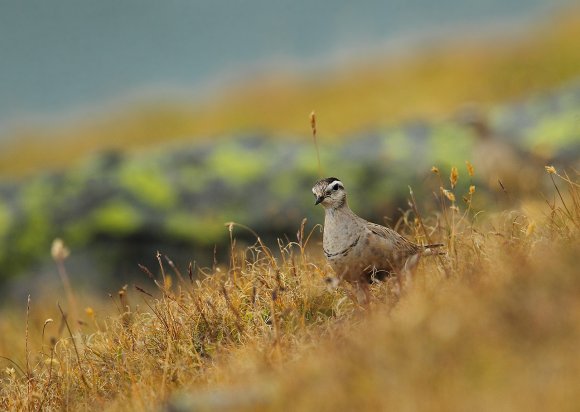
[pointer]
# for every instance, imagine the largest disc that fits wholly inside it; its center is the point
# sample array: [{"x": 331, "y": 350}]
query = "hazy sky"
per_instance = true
[{"x": 59, "y": 55}]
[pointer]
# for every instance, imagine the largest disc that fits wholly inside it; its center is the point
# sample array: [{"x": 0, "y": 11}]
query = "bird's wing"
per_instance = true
[{"x": 398, "y": 242}]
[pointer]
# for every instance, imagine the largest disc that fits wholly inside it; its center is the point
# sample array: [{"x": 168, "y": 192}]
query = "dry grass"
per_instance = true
[{"x": 265, "y": 332}]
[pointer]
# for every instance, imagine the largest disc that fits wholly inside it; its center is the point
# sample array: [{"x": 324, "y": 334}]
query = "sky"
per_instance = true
[{"x": 61, "y": 55}]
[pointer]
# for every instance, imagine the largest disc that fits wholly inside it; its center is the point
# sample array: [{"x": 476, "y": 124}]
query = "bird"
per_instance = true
[{"x": 359, "y": 251}]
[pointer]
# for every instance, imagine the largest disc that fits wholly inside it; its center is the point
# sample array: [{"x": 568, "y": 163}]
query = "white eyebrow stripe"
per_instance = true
[{"x": 335, "y": 183}]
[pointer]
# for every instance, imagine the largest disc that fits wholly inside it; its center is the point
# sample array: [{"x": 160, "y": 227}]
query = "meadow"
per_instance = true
[
  {"x": 260, "y": 324},
  {"x": 492, "y": 325}
]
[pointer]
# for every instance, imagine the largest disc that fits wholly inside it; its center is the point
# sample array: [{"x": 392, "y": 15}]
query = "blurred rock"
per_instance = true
[{"x": 115, "y": 211}]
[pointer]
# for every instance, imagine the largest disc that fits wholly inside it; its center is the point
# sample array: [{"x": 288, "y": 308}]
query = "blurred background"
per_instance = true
[{"x": 136, "y": 126}]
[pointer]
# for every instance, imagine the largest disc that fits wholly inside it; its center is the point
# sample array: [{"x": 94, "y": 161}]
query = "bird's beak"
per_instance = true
[{"x": 319, "y": 200}]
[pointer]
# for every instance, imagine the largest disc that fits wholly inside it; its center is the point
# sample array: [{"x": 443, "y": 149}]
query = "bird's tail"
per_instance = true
[{"x": 432, "y": 249}]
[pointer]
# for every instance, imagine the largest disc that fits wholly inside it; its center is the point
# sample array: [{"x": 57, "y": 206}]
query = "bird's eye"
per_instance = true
[{"x": 335, "y": 187}]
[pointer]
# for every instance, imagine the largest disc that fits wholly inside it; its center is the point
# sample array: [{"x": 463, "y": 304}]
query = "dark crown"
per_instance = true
[{"x": 326, "y": 181}]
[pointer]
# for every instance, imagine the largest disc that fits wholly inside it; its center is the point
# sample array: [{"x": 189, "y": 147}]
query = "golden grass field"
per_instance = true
[
  {"x": 431, "y": 84},
  {"x": 493, "y": 325}
]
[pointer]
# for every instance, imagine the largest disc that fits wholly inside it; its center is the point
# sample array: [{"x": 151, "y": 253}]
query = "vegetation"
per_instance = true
[
  {"x": 123, "y": 206},
  {"x": 494, "y": 324}
]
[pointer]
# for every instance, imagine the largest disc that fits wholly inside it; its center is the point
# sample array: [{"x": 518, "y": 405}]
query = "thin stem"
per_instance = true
[
  {"x": 420, "y": 219},
  {"x": 75, "y": 346}
]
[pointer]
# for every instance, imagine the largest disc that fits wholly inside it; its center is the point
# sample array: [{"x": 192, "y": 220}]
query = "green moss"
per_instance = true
[
  {"x": 194, "y": 178},
  {"x": 5, "y": 219},
  {"x": 307, "y": 162},
  {"x": 206, "y": 230},
  {"x": 116, "y": 217},
  {"x": 450, "y": 144},
  {"x": 78, "y": 232},
  {"x": 147, "y": 182},
  {"x": 284, "y": 186},
  {"x": 555, "y": 132},
  {"x": 397, "y": 146},
  {"x": 37, "y": 195},
  {"x": 34, "y": 236},
  {"x": 236, "y": 164}
]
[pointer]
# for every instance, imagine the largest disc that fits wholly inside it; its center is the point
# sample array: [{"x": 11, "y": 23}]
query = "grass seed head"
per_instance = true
[
  {"x": 448, "y": 194},
  {"x": 551, "y": 170},
  {"x": 59, "y": 251},
  {"x": 531, "y": 229},
  {"x": 453, "y": 177},
  {"x": 470, "y": 169}
]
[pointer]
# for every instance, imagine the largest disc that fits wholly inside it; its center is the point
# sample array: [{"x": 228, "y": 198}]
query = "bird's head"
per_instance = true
[{"x": 330, "y": 193}]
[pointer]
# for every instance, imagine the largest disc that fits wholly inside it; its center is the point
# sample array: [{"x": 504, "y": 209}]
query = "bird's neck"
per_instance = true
[
  {"x": 339, "y": 210},
  {"x": 341, "y": 228},
  {"x": 338, "y": 217}
]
